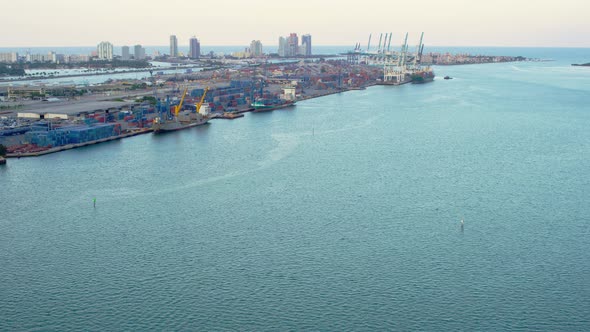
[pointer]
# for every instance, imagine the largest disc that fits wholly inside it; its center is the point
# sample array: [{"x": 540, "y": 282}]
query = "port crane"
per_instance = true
[
  {"x": 179, "y": 107},
  {"x": 200, "y": 103}
]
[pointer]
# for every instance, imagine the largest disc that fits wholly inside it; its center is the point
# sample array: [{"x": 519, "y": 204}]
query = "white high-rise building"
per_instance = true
[
  {"x": 105, "y": 51},
  {"x": 9, "y": 57},
  {"x": 173, "y": 46},
  {"x": 282, "y": 46},
  {"x": 256, "y": 48}
]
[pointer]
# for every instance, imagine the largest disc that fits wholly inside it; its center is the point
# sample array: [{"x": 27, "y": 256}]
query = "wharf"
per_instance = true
[
  {"x": 333, "y": 92},
  {"x": 79, "y": 145},
  {"x": 244, "y": 110},
  {"x": 230, "y": 116},
  {"x": 394, "y": 83},
  {"x": 234, "y": 115}
]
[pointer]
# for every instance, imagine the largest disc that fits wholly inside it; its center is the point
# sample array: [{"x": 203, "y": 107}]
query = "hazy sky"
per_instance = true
[{"x": 330, "y": 22}]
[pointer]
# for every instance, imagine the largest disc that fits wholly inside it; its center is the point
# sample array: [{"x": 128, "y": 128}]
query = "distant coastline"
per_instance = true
[{"x": 581, "y": 64}]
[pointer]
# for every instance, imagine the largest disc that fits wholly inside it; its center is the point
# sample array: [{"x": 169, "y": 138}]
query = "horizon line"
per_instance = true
[{"x": 273, "y": 45}]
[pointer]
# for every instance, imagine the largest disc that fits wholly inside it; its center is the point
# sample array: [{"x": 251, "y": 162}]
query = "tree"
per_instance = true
[{"x": 2, "y": 151}]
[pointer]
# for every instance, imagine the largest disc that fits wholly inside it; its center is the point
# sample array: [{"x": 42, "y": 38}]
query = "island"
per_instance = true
[{"x": 581, "y": 64}]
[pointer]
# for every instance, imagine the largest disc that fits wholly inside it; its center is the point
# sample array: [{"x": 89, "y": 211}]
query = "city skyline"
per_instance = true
[{"x": 452, "y": 23}]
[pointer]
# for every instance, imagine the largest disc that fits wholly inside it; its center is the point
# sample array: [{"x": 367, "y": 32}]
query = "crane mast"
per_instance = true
[
  {"x": 179, "y": 107},
  {"x": 389, "y": 42},
  {"x": 202, "y": 99},
  {"x": 418, "y": 51}
]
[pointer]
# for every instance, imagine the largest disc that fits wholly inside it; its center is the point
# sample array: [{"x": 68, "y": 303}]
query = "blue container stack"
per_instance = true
[{"x": 71, "y": 134}]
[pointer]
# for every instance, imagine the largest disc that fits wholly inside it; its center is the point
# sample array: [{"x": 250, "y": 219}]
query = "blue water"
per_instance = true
[{"x": 340, "y": 214}]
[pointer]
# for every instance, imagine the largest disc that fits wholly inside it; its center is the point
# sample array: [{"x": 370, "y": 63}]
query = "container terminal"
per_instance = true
[{"x": 37, "y": 120}]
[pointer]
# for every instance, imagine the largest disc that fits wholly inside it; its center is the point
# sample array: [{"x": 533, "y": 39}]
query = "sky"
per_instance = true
[{"x": 544, "y": 23}]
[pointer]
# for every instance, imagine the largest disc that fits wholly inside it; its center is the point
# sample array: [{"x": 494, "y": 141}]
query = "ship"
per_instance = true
[
  {"x": 422, "y": 76},
  {"x": 266, "y": 105},
  {"x": 173, "y": 124},
  {"x": 182, "y": 120}
]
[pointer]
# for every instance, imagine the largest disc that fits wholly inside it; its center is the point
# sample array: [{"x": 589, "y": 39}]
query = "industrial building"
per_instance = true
[{"x": 71, "y": 111}]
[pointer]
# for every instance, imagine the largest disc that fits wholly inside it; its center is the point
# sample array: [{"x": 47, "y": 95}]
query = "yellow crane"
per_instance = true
[
  {"x": 202, "y": 99},
  {"x": 179, "y": 107}
]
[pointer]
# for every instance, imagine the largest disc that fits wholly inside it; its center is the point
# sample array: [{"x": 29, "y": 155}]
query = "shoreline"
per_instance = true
[
  {"x": 78, "y": 145},
  {"x": 143, "y": 70},
  {"x": 149, "y": 130}
]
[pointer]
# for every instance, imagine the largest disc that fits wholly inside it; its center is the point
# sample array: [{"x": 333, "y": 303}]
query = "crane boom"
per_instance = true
[
  {"x": 202, "y": 99},
  {"x": 179, "y": 107},
  {"x": 389, "y": 43}
]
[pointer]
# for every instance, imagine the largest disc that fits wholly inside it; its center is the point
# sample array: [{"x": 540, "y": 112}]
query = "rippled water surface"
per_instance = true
[{"x": 340, "y": 214}]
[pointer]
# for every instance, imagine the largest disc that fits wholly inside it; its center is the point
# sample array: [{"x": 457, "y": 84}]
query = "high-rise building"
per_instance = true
[
  {"x": 138, "y": 52},
  {"x": 282, "y": 46},
  {"x": 52, "y": 56},
  {"x": 256, "y": 48},
  {"x": 195, "y": 48},
  {"x": 9, "y": 57},
  {"x": 36, "y": 58},
  {"x": 104, "y": 51},
  {"x": 173, "y": 46},
  {"x": 292, "y": 44},
  {"x": 306, "y": 43},
  {"x": 125, "y": 53}
]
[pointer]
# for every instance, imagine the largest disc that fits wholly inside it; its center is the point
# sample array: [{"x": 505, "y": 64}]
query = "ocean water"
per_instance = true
[{"x": 342, "y": 213}]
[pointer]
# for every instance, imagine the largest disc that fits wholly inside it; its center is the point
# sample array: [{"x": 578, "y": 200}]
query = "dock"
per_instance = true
[{"x": 79, "y": 145}]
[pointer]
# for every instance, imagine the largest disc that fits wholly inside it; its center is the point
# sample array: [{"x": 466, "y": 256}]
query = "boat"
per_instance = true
[
  {"x": 175, "y": 124},
  {"x": 448, "y": 78},
  {"x": 182, "y": 120},
  {"x": 266, "y": 105},
  {"x": 422, "y": 76},
  {"x": 231, "y": 115}
]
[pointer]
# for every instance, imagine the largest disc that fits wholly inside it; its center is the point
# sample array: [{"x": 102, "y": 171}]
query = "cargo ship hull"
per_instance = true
[
  {"x": 422, "y": 77},
  {"x": 170, "y": 126},
  {"x": 267, "y": 108}
]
